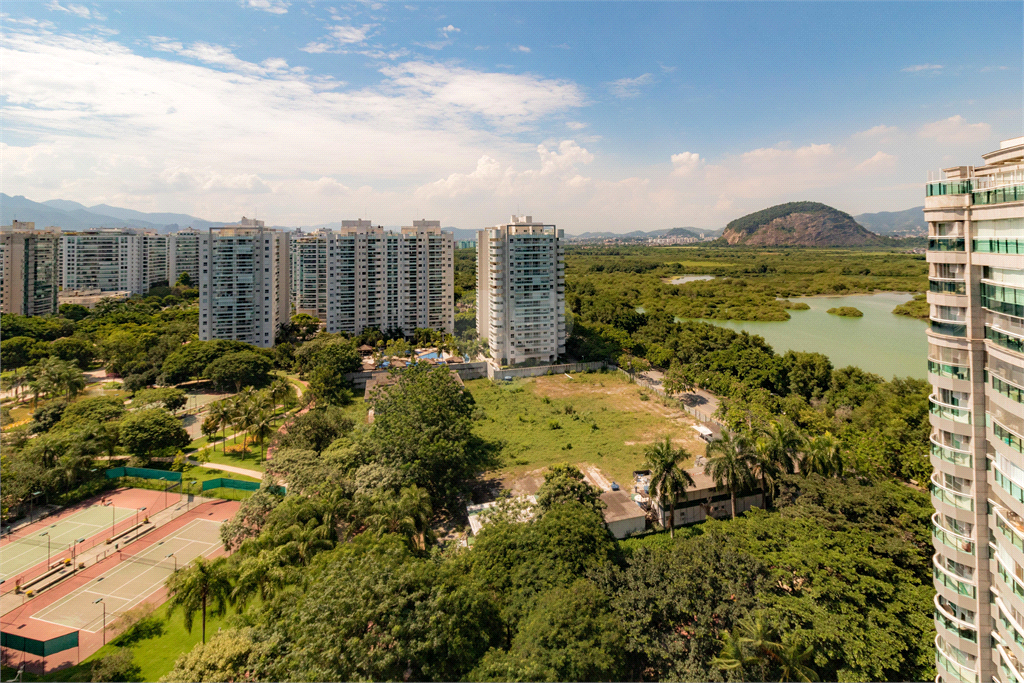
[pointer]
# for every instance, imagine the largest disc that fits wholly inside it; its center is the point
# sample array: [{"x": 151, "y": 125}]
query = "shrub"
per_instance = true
[
  {"x": 117, "y": 666},
  {"x": 554, "y": 424}
]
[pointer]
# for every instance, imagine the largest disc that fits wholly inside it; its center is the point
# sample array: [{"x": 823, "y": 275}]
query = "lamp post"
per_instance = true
[
  {"x": 74, "y": 552},
  {"x": 113, "y": 518},
  {"x": 47, "y": 534},
  {"x": 164, "y": 480},
  {"x": 104, "y": 618},
  {"x": 175, "y": 562}
]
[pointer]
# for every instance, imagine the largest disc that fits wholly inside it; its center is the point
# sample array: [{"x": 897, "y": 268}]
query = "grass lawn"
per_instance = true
[
  {"x": 602, "y": 417},
  {"x": 250, "y": 458},
  {"x": 157, "y": 643}
]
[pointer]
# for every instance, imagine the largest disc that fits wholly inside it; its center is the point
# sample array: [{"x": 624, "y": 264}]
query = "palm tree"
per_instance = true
[
  {"x": 793, "y": 655},
  {"x": 788, "y": 442},
  {"x": 731, "y": 657},
  {"x": 245, "y": 417},
  {"x": 765, "y": 463},
  {"x": 263, "y": 428},
  {"x": 280, "y": 389},
  {"x": 63, "y": 375},
  {"x": 668, "y": 478},
  {"x": 300, "y": 542},
  {"x": 224, "y": 413},
  {"x": 416, "y": 503},
  {"x": 823, "y": 456},
  {"x": 259, "y": 575},
  {"x": 203, "y": 582},
  {"x": 727, "y": 464}
]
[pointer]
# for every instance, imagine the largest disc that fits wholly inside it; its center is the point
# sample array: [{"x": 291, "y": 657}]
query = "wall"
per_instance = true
[
  {"x": 466, "y": 371},
  {"x": 499, "y": 374}
]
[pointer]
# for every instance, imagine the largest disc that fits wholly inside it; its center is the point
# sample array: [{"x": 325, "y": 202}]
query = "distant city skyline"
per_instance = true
[{"x": 599, "y": 117}]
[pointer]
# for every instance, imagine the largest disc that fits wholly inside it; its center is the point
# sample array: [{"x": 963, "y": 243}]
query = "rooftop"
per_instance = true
[{"x": 620, "y": 506}]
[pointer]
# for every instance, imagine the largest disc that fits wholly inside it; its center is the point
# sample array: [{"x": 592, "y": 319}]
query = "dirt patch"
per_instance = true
[
  {"x": 594, "y": 477},
  {"x": 525, "y": 484}
]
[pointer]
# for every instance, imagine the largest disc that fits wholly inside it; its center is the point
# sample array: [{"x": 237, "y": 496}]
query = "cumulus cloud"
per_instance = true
[
  {"x": 338, "y": 37},
  {"x": 568, "y": 156},
  {"x": 955, "y": 130},
  {"x": 879, "y": 162},
  {"x": 272, "y": 6},
  {"x": 685, "y": 163},
  {"x": 917, "y": 68},
  {"x": 628, "y": 88},
  {"x": 575, "y": 125}
]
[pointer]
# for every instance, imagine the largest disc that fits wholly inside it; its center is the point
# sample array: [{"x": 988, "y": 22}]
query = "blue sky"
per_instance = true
[{"x": 594, "y": 116}]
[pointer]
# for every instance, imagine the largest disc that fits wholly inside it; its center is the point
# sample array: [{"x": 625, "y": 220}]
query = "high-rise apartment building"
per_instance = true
[
  {"x": 113, "y": 260},
  {"x": 521, "y": 291},
  {"x": 183, "y": 254},
  {"x": 28, "y": 269},
  {"x": 363, "y": 276},
  {"x": 243, "y": 283},
  {"x": 975, "y": 220}
]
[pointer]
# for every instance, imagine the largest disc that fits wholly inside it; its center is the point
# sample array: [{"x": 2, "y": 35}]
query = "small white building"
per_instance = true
[
  {"x": 706, "y": 500},
  {"x": 623, "y": 516}
]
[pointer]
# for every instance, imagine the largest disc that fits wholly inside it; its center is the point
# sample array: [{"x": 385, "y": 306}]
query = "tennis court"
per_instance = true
[
  {"x": 133, "y": 579},
  {"x": 28, "y": 551}
]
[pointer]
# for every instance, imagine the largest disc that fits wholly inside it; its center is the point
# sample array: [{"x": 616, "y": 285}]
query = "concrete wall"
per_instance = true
[
  {"x": 466, "y": 371},
  {"x": 627, "y": 527},
  {"x": 497, "y": 373}
]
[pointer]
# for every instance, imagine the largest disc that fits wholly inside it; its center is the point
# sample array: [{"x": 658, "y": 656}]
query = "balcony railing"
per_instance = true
[
  {"x": 947, "y": 287},
  {"x": 958, "y": 584},
  {"x": 956, "y": 670},
  {"x": 952, "y": 455},
  {"x": 948, "y": 412},
  {"x": 951, "y": 497},
  {"x": 946, "y": 370},
  {"x": 949, "y": 538},
  {"x": 999, "y": 195},
  {"x": 946, "y": 244},
  {"x": 984, "y": 245},
  {"x": 947, "y": 187}
]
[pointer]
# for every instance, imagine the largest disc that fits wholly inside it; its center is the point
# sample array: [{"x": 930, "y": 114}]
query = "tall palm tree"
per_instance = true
[
  {"x": 263, "y": 428},
  {"x": 245, "y": 417},
  {"x": 764, "y": 460},
  {"x": 203, "y": 582},
  {"x": 415, "y": 501},
  {"x": 261, "y": 575},
  {"x": 668, "y": 478},
  {"x": 727, "y": 464},
  {"x": 222, "y": 412},
  {"x": 732, "y": 657},
  {"x": 788, "y": 443},
  {"x": 280, "y": 390},
  {"x": 823, "y": 456},
  {"x": 300, "y": 542}
]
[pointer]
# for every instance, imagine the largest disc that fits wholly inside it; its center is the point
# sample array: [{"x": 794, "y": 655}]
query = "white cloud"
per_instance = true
[
  {"x": 562, "y": 46},
  {"x": 667, "y": 69},
  {"x": 685, "y": 163},
  {"x": 450, "y": 29},
  {"x": 521, "y": 48},
  {"x": 272, "y": 6},
  {"x": 346, "y": 35},
  {"x": 879, "y": 162},
  {"x": 338, "y": 37},
  {"x": 987, "y": 69},
  {"x": 575, "y": 125},
  {"x": 955, "y": 130},
  {"x": 917, "y": 68},
  {"x": 877, "y": 132},
  {"x": 627, "y": 88},
  {"x": 568, "y": 156},
  {"x": 78, "y": 10}
]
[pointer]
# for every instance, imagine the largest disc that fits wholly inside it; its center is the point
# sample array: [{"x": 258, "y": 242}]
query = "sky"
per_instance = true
[{"x": 592, "y": 116}]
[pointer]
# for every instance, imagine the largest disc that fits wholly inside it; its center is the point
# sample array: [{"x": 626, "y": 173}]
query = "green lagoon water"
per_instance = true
[{"x": 880, "y": 342}]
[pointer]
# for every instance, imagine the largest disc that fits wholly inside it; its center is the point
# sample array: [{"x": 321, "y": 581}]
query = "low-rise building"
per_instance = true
[
  {"x": 90, "y": 297},
  {"x": 622, "y": 515},
  {"x": 704, "y": 500}
]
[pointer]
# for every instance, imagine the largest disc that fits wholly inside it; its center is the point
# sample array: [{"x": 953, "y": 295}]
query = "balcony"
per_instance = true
[
  {"x": 949, "y": 412},
  {"x": 947, "y": 287},
  {"x": 958, "y": 584},
  {"x": 946, "y": 244},
  {"x": 951, "y": 497},
  {"x": 952, "y": 455},
  {"x": 958, "y": 542},
  {"x": 957, "y": 671},
  {"x": 1011, "y": 246},
  {"x": 951, "y": 371}
]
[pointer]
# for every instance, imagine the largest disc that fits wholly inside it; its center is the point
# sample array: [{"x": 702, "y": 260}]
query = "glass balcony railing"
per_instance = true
[
  {"x": 950, "y": 497},
  {"x": 948, "y": 187},
  {"x": 948, "y": 329},
  {"x": 956, "y": 671},
  {"x": 951, "y": 371},
  {"x": 957, "y": 584},
  {"x": 946, "y": 244},
  {"x": 948, "y": 412},
  {"x": 951, "y": 538},
  {"x": 951, "y": 455},
  {"x": 1010, "y": 391},
  {"x": 999, "y": 195},
  {"x": 947, "y": 287},
  {"x": 989, "y": 245}
]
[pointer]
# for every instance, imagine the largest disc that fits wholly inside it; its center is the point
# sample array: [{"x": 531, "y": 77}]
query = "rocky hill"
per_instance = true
[{"x": 806, "y": 224}]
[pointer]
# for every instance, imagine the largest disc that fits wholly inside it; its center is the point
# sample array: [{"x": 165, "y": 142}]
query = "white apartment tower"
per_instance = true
[
  {"x": 28, "y": 269},
  {"x": 183, "y": 255},
  {"x": 975, "y": 220},
  {"x": 113, "y": 260},
  {"x": 521, "y": 291},
  {"x": 363, "y": 276},
  {"x": 243, "y": 283}
]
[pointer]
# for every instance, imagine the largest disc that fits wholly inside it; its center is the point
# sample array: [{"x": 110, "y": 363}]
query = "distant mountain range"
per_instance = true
[
  {"x": 74, "y": 216},
  {"x": 909, "y": 223}
]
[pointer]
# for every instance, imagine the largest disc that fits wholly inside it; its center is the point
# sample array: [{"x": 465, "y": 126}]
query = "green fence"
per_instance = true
[
  {"x": 236, "y": 484},
  {"x": 142, "y": 473},
  {"x": 40, "y": 648}
]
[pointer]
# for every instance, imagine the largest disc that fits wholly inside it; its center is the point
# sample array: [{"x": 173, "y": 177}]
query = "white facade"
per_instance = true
[
  {"x": 521, "y": 291},
  {"x": 975, "y": 220},
  {"x": 112, "y": 260},
  {"x": 243, "y": 283},
  {"x": 183, "y": 255},
  {"x": 363, "y": 276},
  {"x": 28, "y": 269}
]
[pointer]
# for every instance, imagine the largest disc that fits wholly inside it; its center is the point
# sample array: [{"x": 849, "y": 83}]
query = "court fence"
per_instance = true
[
  {"x": 40, "y": 648},
  {"x": 224, "y": 482},
  {"x": 143, "y": 473}
]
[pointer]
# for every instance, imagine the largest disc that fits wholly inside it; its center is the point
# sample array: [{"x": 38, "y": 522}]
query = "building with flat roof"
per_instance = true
[
  {"x": 243, "y": 283},
  {"x": 183, "y": 255},
  {"x": 521, "y": 291},
  {"x": 364, "y": 276},
  {"x": 112, "y": 260},
  {"x": 975, "y": 256},
  {"x": 28, "y": 269},
  {"x": 89, "y": 297}
]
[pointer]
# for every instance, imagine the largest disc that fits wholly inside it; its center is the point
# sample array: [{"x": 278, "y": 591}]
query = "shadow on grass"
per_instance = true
[{"x": 151, "y": 627}]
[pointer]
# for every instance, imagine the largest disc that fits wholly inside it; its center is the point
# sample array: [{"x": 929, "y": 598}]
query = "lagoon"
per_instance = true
[{"x": 880, "y": 342}]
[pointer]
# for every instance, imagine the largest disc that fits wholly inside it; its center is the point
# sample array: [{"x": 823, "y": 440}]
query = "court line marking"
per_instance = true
[{"x": 130, "y": 602}]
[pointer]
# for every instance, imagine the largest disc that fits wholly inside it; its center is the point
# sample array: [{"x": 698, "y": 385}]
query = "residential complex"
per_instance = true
[
  {"x": 183, "y": 255},
  {"x": 243, "y": 283},
  {"x": 364, "y": 276},
  {"x": 28, "y": 269},
  {"x": 112, "y": 260},
  {"x": 521, "y": 291},
  {"x": 975, "y": 220}
]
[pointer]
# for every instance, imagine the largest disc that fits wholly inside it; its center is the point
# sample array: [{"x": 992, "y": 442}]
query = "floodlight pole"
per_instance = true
[
  {"x": 47, "y": 534},
  {"x": 175, "y": 562}
]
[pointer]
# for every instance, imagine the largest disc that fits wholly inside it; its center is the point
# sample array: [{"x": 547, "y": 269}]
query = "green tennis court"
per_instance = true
[
  {"x": 133, "y": 579},
  {"x": 27, "y": 551}
]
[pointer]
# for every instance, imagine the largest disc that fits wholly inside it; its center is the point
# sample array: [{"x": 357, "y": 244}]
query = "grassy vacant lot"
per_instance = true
[
  {"x": 602, "y": 417},
  {"x": 156, "y": 644}
]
